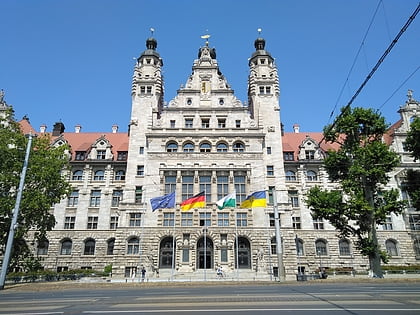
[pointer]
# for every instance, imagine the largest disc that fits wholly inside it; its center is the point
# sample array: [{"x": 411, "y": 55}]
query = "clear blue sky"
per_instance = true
[{"x": 73, "y": 60}]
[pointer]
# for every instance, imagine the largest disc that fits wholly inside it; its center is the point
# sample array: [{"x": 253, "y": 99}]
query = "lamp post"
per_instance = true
[{"x": 13, "y": 224}]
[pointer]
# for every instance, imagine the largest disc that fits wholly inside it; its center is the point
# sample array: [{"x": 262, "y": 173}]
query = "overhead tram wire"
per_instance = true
[
  {"x": 354, "y": 60},
  {"x": 369, "y": 76},
  {"x": 399, "y": 87}
]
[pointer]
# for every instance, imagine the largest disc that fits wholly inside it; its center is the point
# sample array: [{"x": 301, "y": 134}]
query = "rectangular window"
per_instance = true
[
  {"x": 222, "y": 186},
  {"x": 239, "y": 181},
  {"x": 122, "y": 156},
  {"x": 172, "y": 123},
  {"x": 271, "y": 219},
  {"x": 288, "y": 156},
  {"x": 73, "y": 199},
  {"x": 205, "y": 219},
  {"x": 414, "y": 220},
  {"x": 296, "y": 223},
  {"x": 205, "y": 123},
  {"x": 186, "y": 219},
  {"x": 95, "y": 198},
  {"x": 135, "y": 219},
  {"x": 238, "y": 123},
  {"x": 142, "y": 90},
  {"x": 148, "y": 89},
  {"x": 318, "y": 224},
  {"x": 188, "y": 123},
  {"x": 388, "y": 224},
  {"x": 221, "y": 123},
  {"x": 138, "y": 197},
  {"x": 222, "y": 219},
  {"x": 261, "y": 90},
  {"x": 268, "y": 90},
  {"x": 69, "y": 222},
  {"x": 116, "y": 198},
  {"x": 293, "y": 198},
  {"x": 141, "y": 150},
  {"x": 113, "y": 223},
  {"x": 309, "y": 154},
  {"x": 270, "y": 170},
  {"x": 223, "y": 254},
  {"x": 169, "y": 219},
  {"x": 205, "y": 185},
  {"x": 268, "y": 150},
  {"x": 92, "y": 223},
  {"x": 140, "y": 170},
  {"x": 187, "y": 186},
  {"x": 170, "y": 184},
  {"x": 100, "y": 155},
  {"x": 241, "y": 219}
]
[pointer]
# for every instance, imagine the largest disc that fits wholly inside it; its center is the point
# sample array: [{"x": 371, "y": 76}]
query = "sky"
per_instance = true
[{"x": 72, "y": 61}]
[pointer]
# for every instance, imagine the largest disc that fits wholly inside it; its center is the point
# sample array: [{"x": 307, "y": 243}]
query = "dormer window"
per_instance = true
[
  {"x": 100, "y": 155},
  {"x": 310, "y": 154},
  {"x": 80, "y": 155},
  {"x": 122, "y": 155}
]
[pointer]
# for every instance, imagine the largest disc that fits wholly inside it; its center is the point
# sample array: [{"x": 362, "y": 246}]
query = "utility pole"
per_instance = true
[
  {"x": 278, "y": 238},
  {"x": 13, "y": 224}
]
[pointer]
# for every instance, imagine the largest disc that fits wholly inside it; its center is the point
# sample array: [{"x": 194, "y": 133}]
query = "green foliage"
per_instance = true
[
  {"x": 413, "y": 187},
  {"x": 360, "y": 167},
  {"x": 44, "y": 185},
  {"x": 108, "y": 269},
  {"x": 412, "y": 142}
]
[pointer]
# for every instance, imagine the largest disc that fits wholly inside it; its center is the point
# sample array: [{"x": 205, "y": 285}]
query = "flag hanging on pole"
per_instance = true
[
  {"x": 197, "y": 201},
  {"x": 256, "y": 199},
  {"x": 166, "y": 201},
  {"x": 227, "y": 201}
]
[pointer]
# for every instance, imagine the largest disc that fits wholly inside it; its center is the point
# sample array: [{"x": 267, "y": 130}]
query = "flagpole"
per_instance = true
[
  {"x": 141, "y": 237},
  {"x": 269, "y": 246},
  {"x": 205, "y": 244},
  {"x": 279, "y": 248},
  {"x": 237, "y": 249},
  {"x": 173, "y": 248}
]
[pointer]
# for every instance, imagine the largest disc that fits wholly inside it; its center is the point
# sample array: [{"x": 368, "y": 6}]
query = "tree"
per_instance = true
[
  {"x": 360, "y": 168},
  {"x": 412, "y": 144},
  {"x": 44, "y": 185}
]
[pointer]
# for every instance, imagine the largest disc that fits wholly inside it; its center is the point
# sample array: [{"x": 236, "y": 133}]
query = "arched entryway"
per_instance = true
[
  {"x": 166, "y": 252},
  {"x": 204, "y": 253},
  {"x": 243, "y": 255}
]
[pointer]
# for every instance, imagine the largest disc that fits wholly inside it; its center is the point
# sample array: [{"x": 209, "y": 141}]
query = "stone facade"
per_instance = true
[{"x": 205, "y": 139}]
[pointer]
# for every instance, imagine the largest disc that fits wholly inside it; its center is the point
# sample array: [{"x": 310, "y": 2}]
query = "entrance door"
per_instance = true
[
  {"x": 243, "y": 254},
  {"x": 166, "y": 253},
  {"x": 204, "y": 254}
]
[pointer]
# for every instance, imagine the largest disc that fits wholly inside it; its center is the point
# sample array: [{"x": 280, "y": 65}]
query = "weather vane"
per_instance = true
[
  {"x": 259, "y": 30},
  {"x": 152, "y": 30}
]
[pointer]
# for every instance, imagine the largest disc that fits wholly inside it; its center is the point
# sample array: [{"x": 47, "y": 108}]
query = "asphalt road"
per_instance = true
[{"x": 273, "y": 298}]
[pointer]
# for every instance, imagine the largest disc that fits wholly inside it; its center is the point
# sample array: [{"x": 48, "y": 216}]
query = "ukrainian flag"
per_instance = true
[{"x": 254, "y": 200}]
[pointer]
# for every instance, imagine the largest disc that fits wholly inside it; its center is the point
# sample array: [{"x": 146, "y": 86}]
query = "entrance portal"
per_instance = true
[{"x": 205, "y": 254}]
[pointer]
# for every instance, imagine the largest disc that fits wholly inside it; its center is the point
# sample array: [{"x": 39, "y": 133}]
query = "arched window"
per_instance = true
[
  {"x": 243, "y": 253},
  {"x": 222, "y": 147},
  {"x": 321, "y": 248},
  {"x": 120, "y": 175},
  {"x": 188, "y": 147},
  {"x": 391, "y": 247},
  {"x": 238, "y": 147},
  {"x": 77, "y": 175},
  {"x": 311, "y": 176},
  {"x": 205, "y": 147},
  {"x": 99, "y": 175},
  {"x": 290, "y": 176},
  {"x": 172, "y": 147},
  {"x": 344, "y": 247},
  {"x": 299, "y": 247},
  {"x": 133, "y": 246},
  {"x": 43, "y": 247},
  {"x": 166, "y": 251},
  {"x": 89, "y": 247},
  {"x": 66, "y": 246},
  {"x": 110, "y": 246}
]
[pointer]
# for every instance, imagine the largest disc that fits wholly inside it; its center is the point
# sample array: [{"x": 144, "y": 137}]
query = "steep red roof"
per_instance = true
[
  {"x": 292, "y": 141},
  {"x": 389, "y": 135},
  {"x": 26, "y": 127}
]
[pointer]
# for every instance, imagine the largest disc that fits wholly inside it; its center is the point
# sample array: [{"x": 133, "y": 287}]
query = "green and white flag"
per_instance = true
[{"x": 228, "y": 201}]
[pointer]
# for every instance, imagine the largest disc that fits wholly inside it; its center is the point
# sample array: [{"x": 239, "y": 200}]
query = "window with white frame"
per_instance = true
[
  {"x": 222, "y": 219},
  {"x": 99, "y": 175},
  {"x": 134, "y": 219},
  {"x": 168, "y": 219},
  {"x": 293, "y": 198},
  {"x": 92, "y": 223},
  {"x": 387, "y": 226},
  {"x": 318, "y": 224},
  {"x": 113, "y": 222},
  {"x": 311, "y": 176},
  {"x": 100, "y": 154},
  {"x": 69, "y": 222},
  {"x": 77, "y": 175},
  {"x": 116, "y": 197},
  {"x": 241, "y": 219},
  {"x": 95, "y": 198},
  {"x": 133, "y": 246},
  {"x": 344, "y": 247},
  {"x": 296, "y": 223},
  {"x": 140, "y": 170},
  {"x": 391, "y": 247},
  {"x": 186, "y": 219},
  {"x": 73, "y": 199},
  {"x": 321, "y": 248},
  {"x": 290, "y": 176}
]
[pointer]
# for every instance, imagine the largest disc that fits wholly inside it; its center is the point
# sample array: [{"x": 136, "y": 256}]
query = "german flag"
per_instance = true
[{"x": 197, "y": 201}]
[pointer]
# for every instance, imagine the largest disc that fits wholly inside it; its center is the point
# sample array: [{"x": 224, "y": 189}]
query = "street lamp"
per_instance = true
[{"x": 13, "y": 224}]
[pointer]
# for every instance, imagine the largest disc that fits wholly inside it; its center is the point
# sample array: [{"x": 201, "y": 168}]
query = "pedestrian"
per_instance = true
[{"x": 143, "y": 274}]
